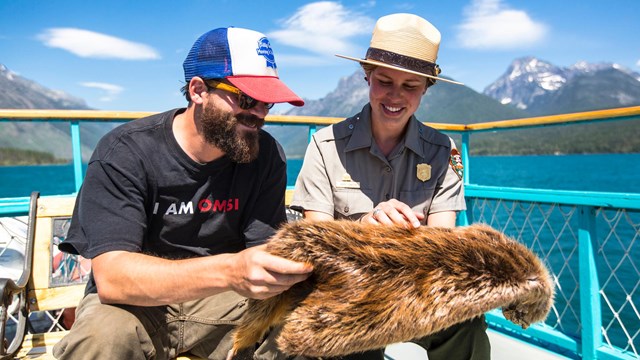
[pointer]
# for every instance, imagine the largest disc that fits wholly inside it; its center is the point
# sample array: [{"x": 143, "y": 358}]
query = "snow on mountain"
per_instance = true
[
  {"x": 530, "y": 81},
  {"x": 525, "y": 79}
]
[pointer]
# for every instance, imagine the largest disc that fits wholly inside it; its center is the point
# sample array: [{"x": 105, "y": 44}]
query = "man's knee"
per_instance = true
[{"x": 98, "y": 327}]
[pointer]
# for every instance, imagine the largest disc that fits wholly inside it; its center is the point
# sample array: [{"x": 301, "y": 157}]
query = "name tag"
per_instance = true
[{"x": 348, "y": 185}]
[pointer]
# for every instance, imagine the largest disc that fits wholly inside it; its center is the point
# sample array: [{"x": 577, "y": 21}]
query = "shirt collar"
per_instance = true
[
  {"x": 361, "y": 136},
  {"x": 414, "y": 135}
]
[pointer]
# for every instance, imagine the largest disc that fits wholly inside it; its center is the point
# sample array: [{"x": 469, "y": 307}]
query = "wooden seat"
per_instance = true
[{"x": 50, "y": 283}]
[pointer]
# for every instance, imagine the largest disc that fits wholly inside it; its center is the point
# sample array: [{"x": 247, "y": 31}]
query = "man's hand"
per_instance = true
[
  {"x": 259, "y": 275},
  {"x": 138, "y": 279}
]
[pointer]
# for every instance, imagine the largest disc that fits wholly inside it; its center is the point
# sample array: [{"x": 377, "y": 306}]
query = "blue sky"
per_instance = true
[{"x": 127, "y": 55}]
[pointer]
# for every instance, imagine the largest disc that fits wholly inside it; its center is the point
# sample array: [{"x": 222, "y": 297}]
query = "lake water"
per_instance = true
[{"x": 597, "y": 172}]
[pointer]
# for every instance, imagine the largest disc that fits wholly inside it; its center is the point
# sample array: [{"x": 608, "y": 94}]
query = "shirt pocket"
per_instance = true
[
  {"x": 419, "y": 199},
  {"x": 351, "y": 203}
]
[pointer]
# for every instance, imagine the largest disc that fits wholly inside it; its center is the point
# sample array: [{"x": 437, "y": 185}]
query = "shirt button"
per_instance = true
[
  {"x": 387, "y": 169},
  {"x": 346, "y": 209},
  {"x": 351, "y": 126}
]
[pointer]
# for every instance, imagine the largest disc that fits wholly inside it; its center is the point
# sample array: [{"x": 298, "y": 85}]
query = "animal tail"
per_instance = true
[{"x": 260, "y": 317}]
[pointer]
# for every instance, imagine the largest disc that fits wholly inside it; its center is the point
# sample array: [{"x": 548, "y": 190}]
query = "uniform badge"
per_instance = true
[
  {"x": 456, "y": 163},
  {"x": 347, "y": 182},
  {"x": 423, "y": 172}
]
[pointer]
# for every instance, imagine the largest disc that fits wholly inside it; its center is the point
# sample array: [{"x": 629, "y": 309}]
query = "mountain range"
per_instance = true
[
  {"x": 529, "y": 87},
  {"x": 444, "y": 103},
  {"x": 17, "y": 92},
  {"x": 541, "y": 88}
]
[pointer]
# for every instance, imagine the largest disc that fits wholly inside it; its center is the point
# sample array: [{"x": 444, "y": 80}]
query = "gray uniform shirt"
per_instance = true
[{"x": 344, "y": 173}]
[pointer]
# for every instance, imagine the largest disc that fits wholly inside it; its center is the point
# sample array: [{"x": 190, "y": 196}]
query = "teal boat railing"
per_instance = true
[{"x": 590, "y": 241}]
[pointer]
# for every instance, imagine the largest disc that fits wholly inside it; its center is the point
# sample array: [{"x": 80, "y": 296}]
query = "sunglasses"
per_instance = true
[{"x": 245, "y": 101}]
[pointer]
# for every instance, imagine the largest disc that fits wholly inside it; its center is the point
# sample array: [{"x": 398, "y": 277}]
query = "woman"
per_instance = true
[{"x": 383, "y": 166}]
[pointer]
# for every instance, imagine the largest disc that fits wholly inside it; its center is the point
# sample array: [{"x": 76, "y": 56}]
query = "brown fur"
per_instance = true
[{"x": 376, "y": 285}]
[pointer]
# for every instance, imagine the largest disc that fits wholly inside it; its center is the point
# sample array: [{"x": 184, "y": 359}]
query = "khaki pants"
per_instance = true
[{"x": 202, "y": 328}]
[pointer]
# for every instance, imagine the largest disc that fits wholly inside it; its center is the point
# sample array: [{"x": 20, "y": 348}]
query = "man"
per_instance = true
[{"x": 174, "y": 208}]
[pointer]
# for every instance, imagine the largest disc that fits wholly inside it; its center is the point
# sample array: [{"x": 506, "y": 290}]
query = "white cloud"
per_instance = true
[
  {"x": 406, "y": 6},
  {"x": 489, "y": 24},
  {"x": 323, "y": 27},
  {"x": 89, "y": 44},
  {"x": 638, "y": 63},
  {"x": 111, "y": 90}
]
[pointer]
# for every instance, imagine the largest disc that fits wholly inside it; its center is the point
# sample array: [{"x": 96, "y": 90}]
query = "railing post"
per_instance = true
[
  {"x": 465, "y": 217},
  {"x": 312, "y": 130},
  {"x": 590, "y": 313},
  {"x": 465, "y": 157},
  {"x": 76, "y": 150}
]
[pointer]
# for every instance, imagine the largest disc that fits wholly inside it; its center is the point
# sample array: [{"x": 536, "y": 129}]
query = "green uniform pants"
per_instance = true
[{"x": 464, "y": 341}]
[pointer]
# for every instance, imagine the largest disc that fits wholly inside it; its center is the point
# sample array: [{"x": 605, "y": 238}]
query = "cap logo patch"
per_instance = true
[{"x": 264, "y": 49}]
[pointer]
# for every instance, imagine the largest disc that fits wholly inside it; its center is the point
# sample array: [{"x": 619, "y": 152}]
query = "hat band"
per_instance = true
[{"x": 406, "y": 62}]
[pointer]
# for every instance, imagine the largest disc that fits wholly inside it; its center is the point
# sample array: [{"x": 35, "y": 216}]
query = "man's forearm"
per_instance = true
[{"x": 138, "y": 279}]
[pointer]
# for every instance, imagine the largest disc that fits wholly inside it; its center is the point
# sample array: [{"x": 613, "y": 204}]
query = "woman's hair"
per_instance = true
[{"x": 368, "y": 69}]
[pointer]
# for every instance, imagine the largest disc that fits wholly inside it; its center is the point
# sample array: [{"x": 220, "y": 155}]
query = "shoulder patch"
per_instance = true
[{"x": 455, "y": 160}]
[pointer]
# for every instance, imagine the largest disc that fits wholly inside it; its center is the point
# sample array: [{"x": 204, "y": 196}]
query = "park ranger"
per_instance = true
[{"x": 383, "y": 166}]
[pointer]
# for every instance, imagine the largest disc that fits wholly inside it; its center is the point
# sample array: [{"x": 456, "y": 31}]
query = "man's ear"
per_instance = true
[{"x": 196, "y": 88}]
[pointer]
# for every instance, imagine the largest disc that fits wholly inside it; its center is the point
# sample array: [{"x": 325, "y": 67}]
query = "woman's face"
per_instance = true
[{"x": 394, "y": 95}]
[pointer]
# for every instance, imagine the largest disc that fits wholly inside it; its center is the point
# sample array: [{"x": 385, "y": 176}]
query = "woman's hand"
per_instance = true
[{"x": 393, "y": 212}]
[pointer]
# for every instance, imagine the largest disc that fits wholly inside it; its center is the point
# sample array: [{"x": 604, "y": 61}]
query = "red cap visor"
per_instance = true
[{"x": 266, "y": 89}]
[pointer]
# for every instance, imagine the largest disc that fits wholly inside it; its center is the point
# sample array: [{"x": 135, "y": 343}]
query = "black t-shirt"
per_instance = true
[{"x": 143, "y": 193}]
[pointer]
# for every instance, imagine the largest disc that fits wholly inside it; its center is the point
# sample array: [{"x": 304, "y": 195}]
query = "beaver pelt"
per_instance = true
[{"x": 376, "y": 285}]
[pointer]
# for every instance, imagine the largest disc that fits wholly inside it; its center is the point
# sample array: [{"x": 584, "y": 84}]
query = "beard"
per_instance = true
[{"x": 220, "y": 129}]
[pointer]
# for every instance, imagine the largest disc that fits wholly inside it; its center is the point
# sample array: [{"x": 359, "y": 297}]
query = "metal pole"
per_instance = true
[
  {"x": 590, "y": 313},
  {"x": 77, "y": 154}
]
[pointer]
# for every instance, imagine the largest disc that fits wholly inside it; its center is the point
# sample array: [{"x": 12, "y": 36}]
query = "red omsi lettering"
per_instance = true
[{"x": 206, "y": 205}]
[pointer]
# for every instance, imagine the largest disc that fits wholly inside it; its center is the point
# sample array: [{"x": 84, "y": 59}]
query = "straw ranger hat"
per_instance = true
[{"x": 404, "y": 42}]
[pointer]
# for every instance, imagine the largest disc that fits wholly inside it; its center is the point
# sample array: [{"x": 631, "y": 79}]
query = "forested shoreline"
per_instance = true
[{"x": 15, "y": 157}]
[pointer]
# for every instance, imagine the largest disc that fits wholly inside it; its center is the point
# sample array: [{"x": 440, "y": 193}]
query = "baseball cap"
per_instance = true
[{"x": 244, "y": 57}]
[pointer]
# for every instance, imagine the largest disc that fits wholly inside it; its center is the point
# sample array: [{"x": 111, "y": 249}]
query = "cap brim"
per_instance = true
[
  {"x": 267, "y": 89},
  {"x": 378, "y": 63}
]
